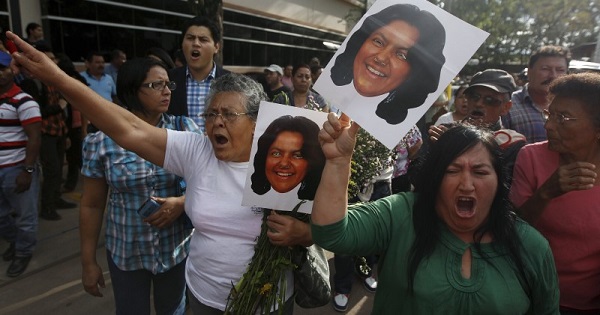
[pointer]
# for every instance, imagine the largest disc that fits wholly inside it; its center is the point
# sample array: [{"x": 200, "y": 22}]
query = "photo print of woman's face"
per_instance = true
[
  {"x": 288, "y": 154},
  {"x": 285, "y": 166},
  {"x": 381, "y": 62},
  {"x": 394, "y": 63}
]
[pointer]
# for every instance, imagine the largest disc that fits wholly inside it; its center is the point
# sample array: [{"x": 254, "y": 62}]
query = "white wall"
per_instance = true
[
  {"x": 30, "y": 12},
  {"x": 326, "y": 14}
]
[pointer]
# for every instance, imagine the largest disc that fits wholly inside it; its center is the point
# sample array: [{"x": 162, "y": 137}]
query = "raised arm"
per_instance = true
[
  {"x": 337, "y": 139},
  {"x": 122, "y": 126}
]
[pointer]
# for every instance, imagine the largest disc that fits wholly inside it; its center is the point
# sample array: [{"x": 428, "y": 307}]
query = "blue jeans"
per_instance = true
[
  {"x": 19, "y": 212},
  {"x": 132, "y": 290}
]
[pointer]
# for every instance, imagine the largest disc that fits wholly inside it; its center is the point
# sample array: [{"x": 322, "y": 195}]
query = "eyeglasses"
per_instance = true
[
  {"x": 487, "y": 100},
  {"x": 228, "y": 117},
  {"x": 160, "y": 85},
  {"x": 559, "y": 118}
]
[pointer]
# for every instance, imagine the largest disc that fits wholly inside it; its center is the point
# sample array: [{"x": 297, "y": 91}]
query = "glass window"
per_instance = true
[
  {"x": 76, "y": 39},
  {"x": 114, "y": 14}
]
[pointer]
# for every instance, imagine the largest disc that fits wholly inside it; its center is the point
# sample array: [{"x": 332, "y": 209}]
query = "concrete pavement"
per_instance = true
[{"x": 52, "y": 282}]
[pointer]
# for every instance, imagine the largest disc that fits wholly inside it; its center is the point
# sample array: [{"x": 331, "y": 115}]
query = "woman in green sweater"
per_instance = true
[{"x": 454, "y": 246}]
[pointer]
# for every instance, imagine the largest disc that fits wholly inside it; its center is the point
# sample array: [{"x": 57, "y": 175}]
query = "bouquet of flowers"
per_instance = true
[{"x": 262, "y": 287}]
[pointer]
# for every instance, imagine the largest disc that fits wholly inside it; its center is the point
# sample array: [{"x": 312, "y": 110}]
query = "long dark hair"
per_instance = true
[
  {"x": 130, "y": 78},
  {"x": 311, "y": 151},
  {"x": 426, "y": 59},
  {"x": 501, "y": 221}
]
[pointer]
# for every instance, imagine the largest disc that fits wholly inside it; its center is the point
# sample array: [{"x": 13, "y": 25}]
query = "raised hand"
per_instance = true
[
  {"x": 338, "y": 137},
  {"x": 435, "y": 132},
  {"x": 33, "y": 62}
]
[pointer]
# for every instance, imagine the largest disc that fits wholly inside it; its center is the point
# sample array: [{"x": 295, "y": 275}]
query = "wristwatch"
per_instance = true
[{"x": 29, "y": 169}]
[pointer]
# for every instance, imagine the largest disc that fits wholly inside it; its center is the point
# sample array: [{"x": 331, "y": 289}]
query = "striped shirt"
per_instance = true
[
  {"x": 196, "y": 95},
  {"x": 132, "y": 243},
  {"x": 17, "y": 109}
]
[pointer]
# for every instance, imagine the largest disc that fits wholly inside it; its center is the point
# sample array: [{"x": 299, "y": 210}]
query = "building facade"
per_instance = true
[{"x": 256, "y": 33}]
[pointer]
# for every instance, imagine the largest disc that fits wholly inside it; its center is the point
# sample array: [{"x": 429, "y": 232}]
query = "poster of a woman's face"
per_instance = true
[
  {"x": 287, "y": 158},
  {"x": 394, "y": 64}
]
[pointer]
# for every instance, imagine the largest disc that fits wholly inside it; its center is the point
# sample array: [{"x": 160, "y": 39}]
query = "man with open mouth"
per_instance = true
[
  {"x": 488, "y": 98},
  {"x": 200, "y": 43}
]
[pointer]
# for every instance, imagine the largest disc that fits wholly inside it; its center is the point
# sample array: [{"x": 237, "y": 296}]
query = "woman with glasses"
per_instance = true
[
  {"x": 214, "y": 166},
  {"x": 556, "y": 189},
  {"x": 144, "y": 253}
]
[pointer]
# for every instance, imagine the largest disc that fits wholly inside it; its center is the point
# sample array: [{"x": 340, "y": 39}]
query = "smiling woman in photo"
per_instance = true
[
  {"x": 398, "y": 51},
  {"x": 288, "y": 154}
]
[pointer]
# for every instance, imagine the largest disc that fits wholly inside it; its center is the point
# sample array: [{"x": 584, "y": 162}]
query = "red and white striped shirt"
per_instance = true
[{"x": 17, "y": 109}]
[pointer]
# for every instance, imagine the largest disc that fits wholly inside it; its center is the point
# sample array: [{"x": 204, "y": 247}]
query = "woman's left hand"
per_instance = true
[
  {"x": 287, "y": 231},
  {"x": 170, "y": 210}
]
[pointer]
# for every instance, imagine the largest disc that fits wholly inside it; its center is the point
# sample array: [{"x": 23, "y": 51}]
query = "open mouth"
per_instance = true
[
  {"x": 477, "y": 114},
  {"x": 221, "y": 139},
  {"x": 375, "y": 72},
  {"x": 284, "y": 174},
  {"x": 195, "y": 53},
  {"x": 465, "y": 206}
]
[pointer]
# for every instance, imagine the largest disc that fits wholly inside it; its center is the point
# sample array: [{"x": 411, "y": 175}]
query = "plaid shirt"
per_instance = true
[
  {"x": 134, "y": 244},
  {"x": 54, "y": 123},
  {"x": 196, "y": 95},
  {"x": 525, "y": 117}
]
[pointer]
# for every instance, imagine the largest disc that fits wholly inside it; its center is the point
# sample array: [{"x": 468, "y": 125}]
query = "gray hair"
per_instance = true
[{"x": 233, "y": 82}]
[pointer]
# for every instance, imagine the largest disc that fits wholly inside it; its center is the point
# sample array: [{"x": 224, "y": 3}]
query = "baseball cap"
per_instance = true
[
  {"x": 275, "y": 68},
  {"x": 495, "y": 79},
  {"x": 5, "y": 59}
]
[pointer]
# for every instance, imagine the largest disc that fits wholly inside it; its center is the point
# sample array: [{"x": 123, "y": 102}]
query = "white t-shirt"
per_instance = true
[
  {"x": 225, "y": 232},
  {"x": 445, "y": 119}
]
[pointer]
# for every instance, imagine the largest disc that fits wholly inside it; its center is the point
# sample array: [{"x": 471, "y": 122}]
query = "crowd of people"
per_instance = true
[{"x": 495, "y": 215}]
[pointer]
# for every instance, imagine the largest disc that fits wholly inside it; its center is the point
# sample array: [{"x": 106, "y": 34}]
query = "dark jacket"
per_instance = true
[{"x": 178, "y": 106}]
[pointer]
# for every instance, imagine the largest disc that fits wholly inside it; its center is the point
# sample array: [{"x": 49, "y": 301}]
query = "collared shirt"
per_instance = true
[
  {"x": 134, "y": 244},
  {"x": 105, "y": 86},
  {"x": 17, "y": 109},
  {"x": 113, "y": 72},
  {"x": 525, "y": 117},
  {"x": 196, "y": 95}
]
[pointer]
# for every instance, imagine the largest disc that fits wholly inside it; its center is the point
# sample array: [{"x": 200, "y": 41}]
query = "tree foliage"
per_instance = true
[{"x": 518, "y": 27}]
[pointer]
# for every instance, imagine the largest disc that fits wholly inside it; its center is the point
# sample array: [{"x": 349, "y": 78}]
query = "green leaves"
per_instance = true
[
  {"x": 368, "y": 160},
  {"x": 518, "y": 27}
]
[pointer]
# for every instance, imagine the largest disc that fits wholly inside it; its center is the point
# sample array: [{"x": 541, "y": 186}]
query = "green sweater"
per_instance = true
[{"x": 495, "y": 287}]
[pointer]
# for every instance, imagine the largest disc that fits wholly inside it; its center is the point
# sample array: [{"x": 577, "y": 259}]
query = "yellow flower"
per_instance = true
[{"x": 266, "y": 288}]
